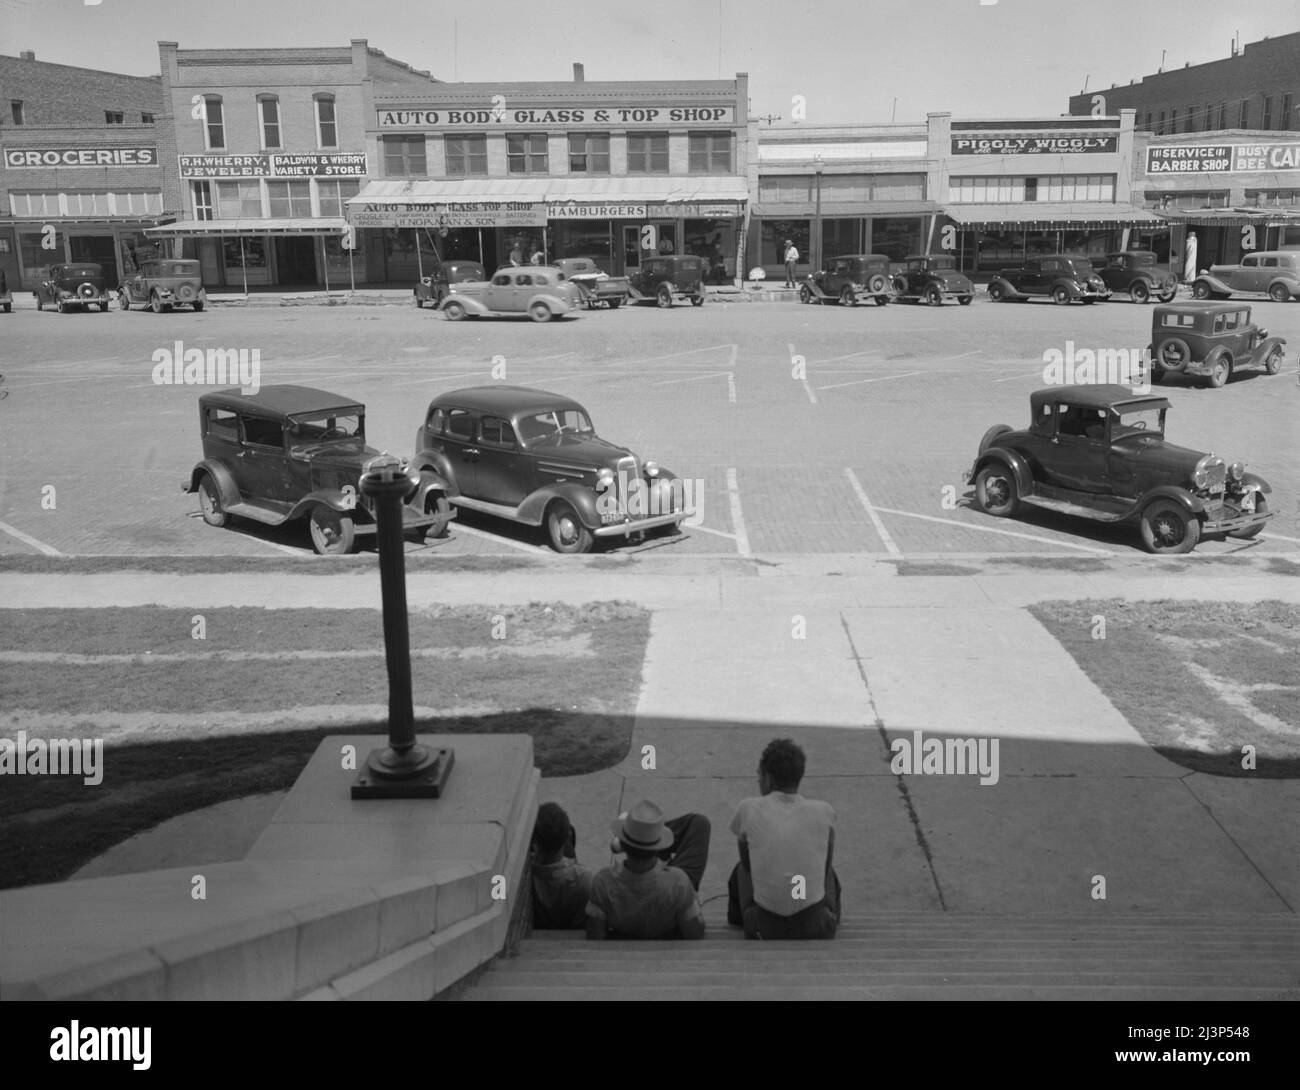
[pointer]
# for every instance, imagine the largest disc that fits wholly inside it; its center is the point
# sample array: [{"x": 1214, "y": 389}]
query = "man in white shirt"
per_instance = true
[
  {"x": 784, "y": 886},
  {"x": 791, "y": 259}
]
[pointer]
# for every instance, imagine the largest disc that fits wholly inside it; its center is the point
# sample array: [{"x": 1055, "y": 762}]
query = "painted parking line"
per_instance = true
[
  {"x": 879, "y": 378},
  {"x": 1281, "y": 537},
  {"x": 731, "y": 382},
  {"x": 876, "y": 520},
  {"x": 996, "y": 530},
  {"x": 715, "y": 533},
  {"x": 737, "y": 515},
  {"x": 473, "y": 531},
  {"x": 1021, "y": 377},
  {"x": 675, "y": 355},
  {"x": 27, "y": 539}
]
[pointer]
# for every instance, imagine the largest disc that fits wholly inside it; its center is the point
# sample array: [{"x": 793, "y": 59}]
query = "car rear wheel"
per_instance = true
[
  {"x": 900, "y": 286},
  {"x": 1261, "y": 508},
  {"x": 1167, "y": 527},
  {"x": 1220, "y": 369},
  {"x": 123, "y": 301},
  {"x": 436, "y": 507},
  {"x": 453, "y": 310},
  {"x": 964, "y": 300},
  {"x": 697, "y": 300},
  {"x": 882, "y": 299},
  {"x": 63, "y": 309},
  {"x": 1279, "y": 293},
  {"x": 995, "y": 491},
  {"x": 1168, "y": 296},
  {"x": 1173, "y": 354},
  {"x": 155, "y": 303},
  {"x": 539, "y": 312},
  {"x": 332, "y": 534},
  {"x": 200, "y": 302},
  {"x": 805, "y": 293},
  {"x": 614, "y": 304},
  {"x": 566, "y": 531},
  {"x": 664, "y": 296},
  {"x": 848, "y": 298},
  {"x": 210, "y": 502},
  {"x": 1201, "y": 290},
  {"x": 1060, "y": 295},
  {"x": 1139, "y": 292},
  {"x": 934, "y": 295},
  {"x": 997, "y": 293},
  {"x": 1273, "y": 361}
]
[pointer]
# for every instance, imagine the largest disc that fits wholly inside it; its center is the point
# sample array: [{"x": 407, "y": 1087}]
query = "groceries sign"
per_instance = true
[
  {"x": 1222, "y": 158},
  {"x": 22, "y": 158}
]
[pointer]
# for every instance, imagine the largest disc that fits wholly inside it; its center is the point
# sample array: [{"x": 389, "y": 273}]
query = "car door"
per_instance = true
[
  {"x": 260, "y": 466},
  {"x": 1079, "y": 459},
  {"x": 1247, "y": 275},
  {"x": 458, "y": 443},
  {"x": 498, "y": 467},
  {"x": 500, "y": 293}
]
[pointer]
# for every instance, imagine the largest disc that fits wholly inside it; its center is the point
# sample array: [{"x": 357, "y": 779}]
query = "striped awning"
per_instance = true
[
  {"x": 305, "y": 225},
  {"x": 1046, "y": 217}
]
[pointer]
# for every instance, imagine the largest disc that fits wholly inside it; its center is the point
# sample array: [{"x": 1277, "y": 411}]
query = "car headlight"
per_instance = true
[
  {"x": 1263, "y": 333},
  {"x": 605, "y": 476},
  {"x": 1237, "y": 470},
  {"x": 1201, "y": 475},
  {"x": 652, "y": 469}
]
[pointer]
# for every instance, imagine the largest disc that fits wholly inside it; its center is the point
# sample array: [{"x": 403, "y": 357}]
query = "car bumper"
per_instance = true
[
  {"x": 1231, "y": 525},
  {"x": 1101, "y": 296},
  {"x": 636, "y": 526}
]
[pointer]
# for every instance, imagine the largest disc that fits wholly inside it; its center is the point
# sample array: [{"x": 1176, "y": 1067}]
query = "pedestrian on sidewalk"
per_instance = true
[
  {"x": 561, "y": 885},
  {"x": 784, "y": 886},
  {"x": 791, "y": 259},
  {"x": 654, "y": 892}
]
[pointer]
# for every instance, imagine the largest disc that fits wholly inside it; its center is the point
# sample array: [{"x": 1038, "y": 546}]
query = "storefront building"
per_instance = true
[
  {"x": 270, "y": 145},
  {"x": 81, "y": 175},
  {"x": 836, "y": 190},
  {"x": 1233, "y": 192},
  {"x": 502, "y": 172}
]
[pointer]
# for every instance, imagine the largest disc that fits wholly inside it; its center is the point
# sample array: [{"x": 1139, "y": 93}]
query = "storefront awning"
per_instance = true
[
  {"x": 1232, "y": 217},
  {"x": 331, "y": 225},
  {"x": 1047, "y": 217},
  {"x": 845, "y": 209}
]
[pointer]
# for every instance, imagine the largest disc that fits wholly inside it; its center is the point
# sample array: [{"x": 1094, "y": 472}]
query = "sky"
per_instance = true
[{"x": 865, "y": 61}]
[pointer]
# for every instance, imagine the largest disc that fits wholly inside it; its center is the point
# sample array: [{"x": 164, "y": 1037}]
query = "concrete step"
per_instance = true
[{"x": 933, "y": 956}]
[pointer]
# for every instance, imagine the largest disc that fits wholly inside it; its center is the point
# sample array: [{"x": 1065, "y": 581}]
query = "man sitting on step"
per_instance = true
[
  {"x": 784, "y": 886},
  {"x": 560, "y": 884},
  {"x": 654, "y": 892}
]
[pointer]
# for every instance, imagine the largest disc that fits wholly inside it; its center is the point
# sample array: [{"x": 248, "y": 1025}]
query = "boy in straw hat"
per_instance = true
[{"x": 653, "y": 892}]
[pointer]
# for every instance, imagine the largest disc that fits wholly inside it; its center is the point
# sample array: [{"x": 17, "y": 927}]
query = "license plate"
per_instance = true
[{"x": 1248, "y": 503}]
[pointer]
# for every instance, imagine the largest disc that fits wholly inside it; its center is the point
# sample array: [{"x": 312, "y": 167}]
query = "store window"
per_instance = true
[
  {"x": 647, "y": 153},
  {"x": 146, "y": 118},
  {"x": 333, "y": 196},
  {"x": 467, "y": 155},
  {"x": 114, "y": 117},
  {"x": 842, "y": 236},
  {"x": 896, "y": 236},
  {"x": 526, "y": 153},
  {"x": 201, "y": 192},
  {"x": 35, "y": 204},
  {"x": 268, "y": 107},
  {"x": 289, "y": 199},
  {"x": 404, "y": 156},
  {"x": 775, "y": 233},
  {"x": 239, "y": 200},
  {"x": 327, "y": 130},
  {"x": 214, "y": 122},
  {"x": 709, "y": 153},
  {"x": 584, "y": 238},
  {"x": 588, "y": 153}
]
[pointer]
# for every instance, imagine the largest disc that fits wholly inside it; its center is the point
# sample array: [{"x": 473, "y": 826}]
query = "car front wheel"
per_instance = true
[
  {"x": 1201, "y": 290},
  {"x": 934, "y": 296},
  {"x": 697, "y": 300},
  {"x": 123, "y": 301},
  {"x": 454, "y": 311},
  {"x": 1261, "y": 508},
  {"x": 156, "y": 303},
  {"x": 539, "y": 312},
  {"x": 964, "y": 300},
  {"x": 805, "y": 293},
  {"x": 996, "y": 293},
  {"x": 210, "y": 503},
  {"x": 1273, "y": 361},
  {"x": 332, "y": 534},
  {"x": 566, "y": 531},
  {"x": 200, "y": 302},
  {"x": 1060, "y": 296},
  {"x": 1139, "y": 292},
  {"x": 1279, "y": 293},
  {"x": 848, "y": 298},
  {"x": 1167, "y": 527},
  {"x": 664, "y": 296},
  {"x": 995, "y": 491},
  {"x": 437, "y": 508}
]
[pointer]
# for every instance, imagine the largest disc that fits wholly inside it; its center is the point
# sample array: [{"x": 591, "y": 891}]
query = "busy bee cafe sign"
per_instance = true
[{"x": 498, "y": 110}]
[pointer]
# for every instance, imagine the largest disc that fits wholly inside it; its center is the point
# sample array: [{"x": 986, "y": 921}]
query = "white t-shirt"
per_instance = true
[
  {"x": 791, "y": 254},
  {"x": 788, "y": 835}
]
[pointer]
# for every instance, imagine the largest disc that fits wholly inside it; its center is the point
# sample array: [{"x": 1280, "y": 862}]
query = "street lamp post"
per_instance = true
[
  {"x": 816, "y": 255},
  {"x": 404, "y": 769}
]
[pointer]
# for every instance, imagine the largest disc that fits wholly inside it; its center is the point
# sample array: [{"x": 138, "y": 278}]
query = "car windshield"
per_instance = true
[
  {"x": 81, "y": 270},
  {"x": 552, "y": 425},
  {"x": 1137, "y": 420},
  {"x": 330, "y": 426},
  {"x": 1081, "y": 266},
  {"x": 943, "y": 263}
]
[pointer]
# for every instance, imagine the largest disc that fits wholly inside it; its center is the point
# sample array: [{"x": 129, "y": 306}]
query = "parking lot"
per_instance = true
[{"x": 813, "y": 429}]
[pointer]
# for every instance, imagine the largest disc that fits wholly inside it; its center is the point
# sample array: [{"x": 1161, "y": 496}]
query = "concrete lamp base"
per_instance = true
[{"x": 419, "y": 773}]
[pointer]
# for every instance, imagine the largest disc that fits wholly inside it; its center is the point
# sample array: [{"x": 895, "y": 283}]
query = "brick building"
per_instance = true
[
  {"x": 269, "y": 146},
  {"x": 1255, "y": 88},
  {"x": 83, "y": 158}
]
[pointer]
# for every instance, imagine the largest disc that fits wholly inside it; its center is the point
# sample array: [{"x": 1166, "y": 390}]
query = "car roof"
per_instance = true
[
  {"x": 860, "y": 257},
  {"x": 1130, "y": 253},
  {"x": 1199, "y": 308},
  {"x": 280, "y": 400},
  {"x": 1100, "y": 396},
  {"x": 504, "y": 400}
]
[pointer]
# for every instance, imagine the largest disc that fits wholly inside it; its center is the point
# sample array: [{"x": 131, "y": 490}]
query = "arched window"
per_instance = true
[
  {"x": 327, "y": 129},
  {"x": 268, "y": 108}
]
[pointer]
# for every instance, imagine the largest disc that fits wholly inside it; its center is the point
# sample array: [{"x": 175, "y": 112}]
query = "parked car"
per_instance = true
[
  {"x": 163, "y": 284},
  {"x": 292, "y": 452},
  {"x": 1274, "y": 273},
  {"x": 598, "y": 288},
  {"x": 540, "y": 291},
  {"x": 1099, "y": 452},
  {"x": 6, "y": 296},
  {"x": 1215, "y": 340},
  {"x": 534, "y": 458},
  {"x": 433, "y": 288},
  {"x": 1063, "y": 278},
  {"x": 1139, "y": 274},
  {"x": 932, "y": 278},
  {"x": 68, "y": 286},
  {"x": 848, "y": 280},
  {"x": 667, "y": 278}
]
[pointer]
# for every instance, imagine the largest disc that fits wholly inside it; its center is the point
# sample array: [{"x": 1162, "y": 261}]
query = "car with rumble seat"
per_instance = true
[
  {"x": 598, "y": 288},
  {"x": 1099, "y": 453},
  {"x": 668, "y": 278},
  {"x": 1139, "y": 275},
  {"x": 534, "y": 458},
  {"x": 289, "y": 453}
]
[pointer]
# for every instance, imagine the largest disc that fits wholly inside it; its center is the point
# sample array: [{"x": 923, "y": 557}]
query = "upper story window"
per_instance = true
[
  {"x": 710, "y": 153},
  {"x": 239, "y": 200},
  {"x": 289, "y": 199},
  {"x": 526, "y": 153},
  {"x": 1267, "y": 122},
  {"x": 327, "y": 129},
  {"x": 114, "y": 117},
  {"x": 1243, "y": 118},
  {"x": 202, "y": 194},
  {"x": 1286, "y": 119},
  {"x": 467, "y": 154},
  {"x": 647, "y": 153},
  {"x": 588, "y": 153},
  {"x": 16, "y": 111},
  {"x": 404, "y": 156},
  {"x": 214, "y": 122},
  {"x": 268, "y": 108},
  {"x": 146, "y": 118}
]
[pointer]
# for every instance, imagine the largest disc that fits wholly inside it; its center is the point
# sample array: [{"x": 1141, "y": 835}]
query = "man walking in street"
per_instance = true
[{"x": 791, "y": 259}]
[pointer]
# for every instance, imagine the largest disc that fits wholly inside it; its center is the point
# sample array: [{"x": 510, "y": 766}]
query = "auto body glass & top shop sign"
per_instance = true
[
  {"x": 498, "y": 112},
  {"x": 449, "y": 214}
]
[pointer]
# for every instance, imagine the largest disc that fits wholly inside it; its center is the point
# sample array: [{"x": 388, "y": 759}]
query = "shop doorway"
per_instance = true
[
  {"x": 101, "y": 249},
  {"x": 295, "y": 260}
]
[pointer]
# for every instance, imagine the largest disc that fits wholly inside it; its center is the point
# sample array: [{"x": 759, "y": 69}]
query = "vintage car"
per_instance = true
[
  {"x": 163, "y": 284},
  {"x": 932, "y": 278},
  {"x": 1139, "y": 275},
  {"x": 597, "y": 286},
  {"x": 1274, "y": 273},
  {"x": 533, "y": 457},
  {"x": 433, "y": 288},
  {"x": 1063, "y": 278},
  {"x": 1099, "y": 452},
  {"x": 848, "y": 280},
  {"x": 666, "y": 278},
  {"x": 1213, "y": 340},
  {"x": 77, "y": 285},
  {"x": 6, "y": 296},
  {"x": 540, "y": 291},
  {"x": 292, "y": 452}
]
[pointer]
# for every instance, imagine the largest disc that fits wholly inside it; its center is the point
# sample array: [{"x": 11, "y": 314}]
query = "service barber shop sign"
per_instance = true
[{"x": 1222, "y": 158}]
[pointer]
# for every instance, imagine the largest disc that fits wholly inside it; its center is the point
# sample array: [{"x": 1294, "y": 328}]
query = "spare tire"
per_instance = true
[
  {"x": 87, "y": 290},
  {"x": 877, "y": 284},
  {"x": 1173, "y": 354}
]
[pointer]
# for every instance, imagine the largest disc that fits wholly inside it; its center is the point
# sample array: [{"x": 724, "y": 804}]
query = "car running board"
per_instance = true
[
  {"x": 258, "y": 512},
  {"x": 500, "y": 510},
  {"x": 1065, "y": 507}
]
